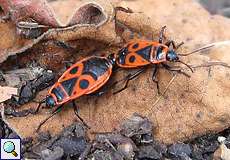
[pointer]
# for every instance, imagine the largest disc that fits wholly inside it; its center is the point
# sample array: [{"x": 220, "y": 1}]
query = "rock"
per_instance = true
[
  {"x": 73, "y": 140},
  {"x": 104, "y": 155},
  {"x": 208, "y": 144},
  {"x": 80, "y": 130},
  {"x": 197, "y": 153},
  {"x": 116, "y": 144},
  {"x": 184, "y": 156},
  {"x": 222, "y": 153},
  {"x": 114, "y": 138},
  {"x": 217, "y": 154},
  {"x": 136, "y": 124},
  {"x": 160, "y": 148},
  {"x": 72, "y": 146},
  {"x": 44, "y": 136},
  {"x": 138, "y": 128},
  {"x": 148, "y": 152},
  {"x": 180, "y": 150},
  {"x": 221, "y": 139},
  {"x": 225, "y": 155},
  {"x": 56, "y": 154},
  {"x": 205, "y": 146},
  {"x": 126, "y": 149}
]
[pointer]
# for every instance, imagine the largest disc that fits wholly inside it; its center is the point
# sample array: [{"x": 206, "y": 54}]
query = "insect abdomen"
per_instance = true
[{"x": 95, "y": 67}]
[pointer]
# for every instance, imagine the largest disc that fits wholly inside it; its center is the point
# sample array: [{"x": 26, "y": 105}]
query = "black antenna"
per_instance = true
[
  {"x": 39, "y": 106},
  {"x": 45, "y": 120},
  {"x": 186, "y": 65},
  {"x": 179, "y": 45}
]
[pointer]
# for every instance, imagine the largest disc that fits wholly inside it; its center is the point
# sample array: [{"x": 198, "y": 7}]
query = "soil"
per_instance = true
[{"x": 134, "y": 140}]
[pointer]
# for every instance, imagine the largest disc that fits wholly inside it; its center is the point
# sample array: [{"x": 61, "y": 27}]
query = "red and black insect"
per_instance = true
[
  {"x": 90, "y": 74},
  {"x": 142, "y": 54},
  {"x": 82, "y": 78}
]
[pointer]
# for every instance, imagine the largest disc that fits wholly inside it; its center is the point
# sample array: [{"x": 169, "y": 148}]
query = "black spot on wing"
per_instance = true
[
  {"x": 132, "y": 59},
  {"x": 68, "y": 85},
  {"x": 95, "y": 67},
  {"x": 58, "y": 93},
  {"x": 73, "y": 70},
  {"x": 145, "y": 52},
  {"x": 135, "y": 46},
  {"x": 84, "y": 83}
]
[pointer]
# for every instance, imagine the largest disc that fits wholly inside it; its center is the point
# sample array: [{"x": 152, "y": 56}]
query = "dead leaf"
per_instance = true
[
  {"x": 190, "y": 107},
  {"x": 225, "y": 155},
  {"x": 7, "y": 92},
  {"x": 90, "y": 20}
]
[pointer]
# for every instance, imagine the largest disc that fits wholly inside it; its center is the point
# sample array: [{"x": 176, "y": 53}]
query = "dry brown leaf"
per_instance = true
[
  {"x": 7, "y": 92},
  {"x": 190, "y": 106},
  {"x": 90, "y": 20}
]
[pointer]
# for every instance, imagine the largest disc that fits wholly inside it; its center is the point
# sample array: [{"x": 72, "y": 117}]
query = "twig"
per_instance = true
[
  {"x": 158, "y": 99},
  {"x": 209, "y": 64},
  {"x": 110, "y": 144}
]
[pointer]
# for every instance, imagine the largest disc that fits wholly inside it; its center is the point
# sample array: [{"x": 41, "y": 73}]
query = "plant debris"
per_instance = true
[
  {"x": 32, "y": 32},
  {"x": 29, "y": 90},
  {"x": 7, "y": 92},
  {"x": 73, "y": 143}
]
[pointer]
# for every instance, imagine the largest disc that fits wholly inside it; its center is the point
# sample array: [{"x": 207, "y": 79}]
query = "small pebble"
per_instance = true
[
  {"x": 221, "y": 139},
  {"x": 148, "y": 152},
  {"x": 179, "y": 149},
  {"x": 56, "y": 154}
]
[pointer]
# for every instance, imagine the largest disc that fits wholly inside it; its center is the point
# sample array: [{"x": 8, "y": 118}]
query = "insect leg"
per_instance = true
[
  {"x": 129, "y": 77},
  {"x": 168, "y": 43},
  {"x": 75, "y": 107},
  {"x": 174, "y": 69},
  {"x": 103, "y": 90},
  {"x": 155, "y": 71},
  {"x": 58, "y": 109},
  {"x": 39, "y": 106},
  {"x": 106, "y": 87},
  {"x": 162, "y": 34}
]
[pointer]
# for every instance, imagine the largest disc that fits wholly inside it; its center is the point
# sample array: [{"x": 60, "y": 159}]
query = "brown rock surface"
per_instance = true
[{"x": 190, "y": 106}]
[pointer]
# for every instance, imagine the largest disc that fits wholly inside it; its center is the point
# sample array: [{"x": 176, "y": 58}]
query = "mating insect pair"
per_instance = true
[{"x": 90, "y": 74}]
